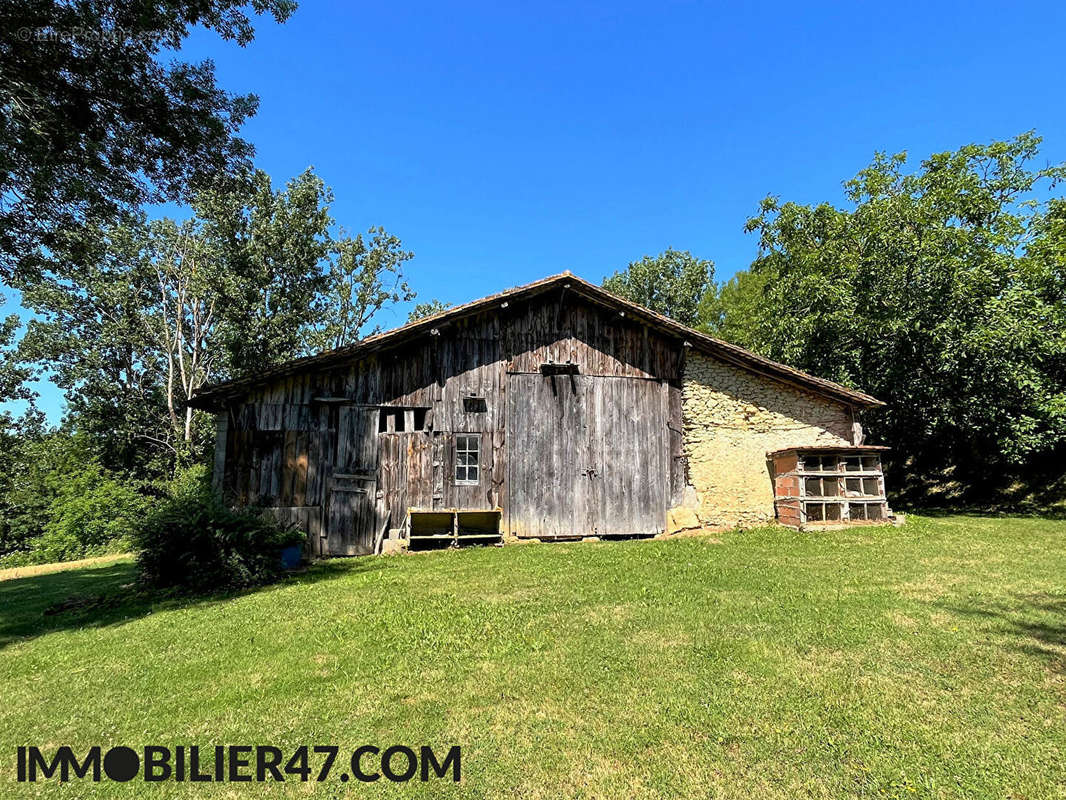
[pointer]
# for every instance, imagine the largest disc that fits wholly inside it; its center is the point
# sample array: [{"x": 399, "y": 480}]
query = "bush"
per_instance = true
[
  {"x": 90, "y": 513},
  {"x": 194, "y": 542}
]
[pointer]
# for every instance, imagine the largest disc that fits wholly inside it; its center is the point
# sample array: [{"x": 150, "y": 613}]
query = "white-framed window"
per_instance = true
[{"x": 467, "y": 458}]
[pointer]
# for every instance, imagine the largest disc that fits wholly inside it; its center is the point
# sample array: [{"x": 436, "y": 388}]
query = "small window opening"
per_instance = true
[
  {"x": 475, "y": 405},
  {"x": 420, "y": 419},
  {"x": 397, "y": 419},
  {"x": 467, "y": 458},
  {"x": 820, "y": 463}
]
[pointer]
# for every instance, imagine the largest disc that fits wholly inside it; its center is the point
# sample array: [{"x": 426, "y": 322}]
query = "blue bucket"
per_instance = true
[{"x": 291, "y": 556}]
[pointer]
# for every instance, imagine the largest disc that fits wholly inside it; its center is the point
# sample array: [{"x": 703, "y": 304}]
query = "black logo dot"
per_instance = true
[
  {"x": 121, "y": 764},
  {"x": 344, "y": 777}
]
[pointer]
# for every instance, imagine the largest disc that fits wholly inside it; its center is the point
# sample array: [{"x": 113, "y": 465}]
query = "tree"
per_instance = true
[
  {"x": 430, "y": 309},
  {"x": 267, "y": 254},
  {"x": 363, "y": 276},
  {"x": 133, "y": 319},
  {"x": 93, "y": 332},
  {"x": 34, "y": 464},
  {"x": 13, "y": 373},
  {"x": 94, "y": 125},
  {"x": 941, "y": 291},
  {"x": 672, "y": 283},
  {"x": 734, "y": 310}
]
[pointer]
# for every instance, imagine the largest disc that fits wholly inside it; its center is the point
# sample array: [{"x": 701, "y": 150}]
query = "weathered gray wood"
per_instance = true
[
  {"x": 588, "y": 456},
  {"x": 599, "y": 454},
  {"x": 351, "y": 523},
  {"x": 218, "y": 473}
]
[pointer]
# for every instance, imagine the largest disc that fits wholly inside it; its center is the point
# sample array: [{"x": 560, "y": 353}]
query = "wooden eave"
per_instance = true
[
  {"x": 855, "y": 449},
  {"x": 216, "y": 396}
]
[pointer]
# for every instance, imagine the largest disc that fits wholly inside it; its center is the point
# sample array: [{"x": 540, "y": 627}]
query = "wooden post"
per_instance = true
[{"x": 221, "y": 434}]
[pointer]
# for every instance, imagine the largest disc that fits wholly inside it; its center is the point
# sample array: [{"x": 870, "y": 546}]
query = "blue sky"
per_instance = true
[{"x": 504, "y": 142}]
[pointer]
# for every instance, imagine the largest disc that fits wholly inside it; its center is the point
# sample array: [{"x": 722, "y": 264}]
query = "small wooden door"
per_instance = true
[
  {"x": 586, "y": 456},
  {"x": 351, "y": 519},
  {"x": 352, "y": 509}
]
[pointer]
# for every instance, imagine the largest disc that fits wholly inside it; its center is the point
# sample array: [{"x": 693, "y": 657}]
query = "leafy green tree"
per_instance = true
[
  {"x": 58, "y": 503},
  {"x": 95, "y": 123},
  {"x": 18, "y": 521},
  {"x": 91, "y": 513},
  {"x": 13, "y": 373},
  {"x": 942, "y": 291},
  {"x": 132, "y": 319},
  {"x": 429, "y": 309},
  {"x": 263, "y": 252},
  {"x": 93, "y": 331},
  {"x": 35, "y": 463},
  {"x": 363, "y": 276},
  {"x": 734, "y": 310},
  {"x": 672, "y": 283}
]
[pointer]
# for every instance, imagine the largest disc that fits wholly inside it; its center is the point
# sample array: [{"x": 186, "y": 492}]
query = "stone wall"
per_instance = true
[{"x": 731, "y": 419}]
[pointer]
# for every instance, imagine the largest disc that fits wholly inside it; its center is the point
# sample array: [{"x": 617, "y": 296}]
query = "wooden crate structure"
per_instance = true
[{"x": 829, "y": 486}]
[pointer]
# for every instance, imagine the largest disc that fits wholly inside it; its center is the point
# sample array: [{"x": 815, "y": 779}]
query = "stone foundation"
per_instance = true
[{"x": 732, "y": 418}]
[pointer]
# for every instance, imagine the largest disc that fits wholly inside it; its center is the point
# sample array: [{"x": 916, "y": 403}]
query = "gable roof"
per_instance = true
[{"x": 213, "y": 395}]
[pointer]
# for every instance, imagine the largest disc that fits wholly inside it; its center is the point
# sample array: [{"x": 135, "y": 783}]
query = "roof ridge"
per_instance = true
[{"x": 719, "y": 347}]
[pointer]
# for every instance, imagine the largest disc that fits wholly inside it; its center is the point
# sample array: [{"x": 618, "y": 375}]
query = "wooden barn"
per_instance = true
[{"x": 554, "y": 410}]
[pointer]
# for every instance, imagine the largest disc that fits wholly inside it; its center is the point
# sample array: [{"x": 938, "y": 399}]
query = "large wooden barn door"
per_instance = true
[
  {"x": 351, "y": 511},
  {"x": 542, "y": 469},
  {"x": 586, "y": 455}
]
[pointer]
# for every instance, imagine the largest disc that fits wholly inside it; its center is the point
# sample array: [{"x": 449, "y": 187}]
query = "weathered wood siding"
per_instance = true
[
  {"x": 286, "y": 442},
  {"x": 597, "y": 450}
]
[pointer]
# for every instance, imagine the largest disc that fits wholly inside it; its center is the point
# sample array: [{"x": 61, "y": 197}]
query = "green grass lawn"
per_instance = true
[{"x": 920, "y": 662}]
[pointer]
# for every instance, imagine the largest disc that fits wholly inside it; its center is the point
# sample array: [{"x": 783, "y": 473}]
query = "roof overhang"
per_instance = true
[
  {"x": 217, "y": 396},
  {"x": 857, "y": 449}
]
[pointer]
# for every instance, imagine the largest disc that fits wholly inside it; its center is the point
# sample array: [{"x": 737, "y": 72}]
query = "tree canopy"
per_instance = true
[
  {"x": 95, "y": 124},
  {"x": 131, "y": 319},
  {"x": 427, "y": 309},
  {"x": 941, "y": 291},
  {"x": 672, "y": 283}
]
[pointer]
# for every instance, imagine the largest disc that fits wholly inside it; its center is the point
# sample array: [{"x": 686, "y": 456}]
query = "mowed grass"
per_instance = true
[{"x": 927, "y": 661}]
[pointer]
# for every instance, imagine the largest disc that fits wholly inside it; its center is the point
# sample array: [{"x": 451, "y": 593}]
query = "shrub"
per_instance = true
[
  {"x": 90, "y": 513},
  {"x": 194, "y": 542}
]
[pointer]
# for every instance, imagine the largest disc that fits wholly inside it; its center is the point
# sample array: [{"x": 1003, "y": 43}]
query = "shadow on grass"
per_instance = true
[
  {"x": 96, "y": 597},
  {"x": 986, "y": 513},
  {"x": 1037, "y": 621}
]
